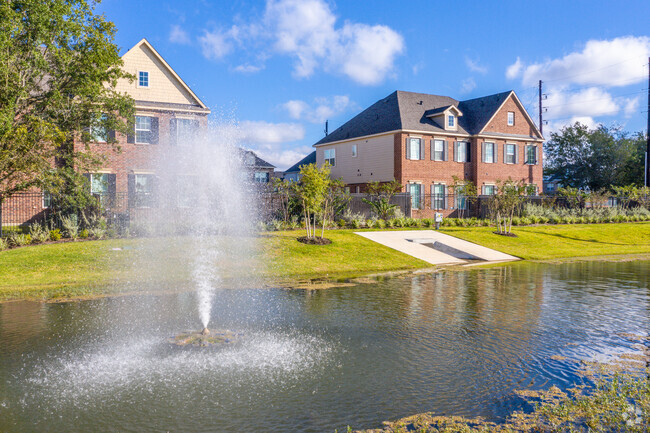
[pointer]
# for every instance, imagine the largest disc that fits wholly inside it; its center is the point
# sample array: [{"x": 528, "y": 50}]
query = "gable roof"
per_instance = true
[
  {"x": 252, "y": 160},
  {"x": 414, "y": 111},
  {"x": 145, "y": 42},
  {"x": 309, "y": 159}
]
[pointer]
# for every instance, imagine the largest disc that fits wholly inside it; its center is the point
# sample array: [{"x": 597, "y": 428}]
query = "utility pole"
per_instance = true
[
  {"x": 541, "y": 122},
  {"x": 647, "y": 134}
]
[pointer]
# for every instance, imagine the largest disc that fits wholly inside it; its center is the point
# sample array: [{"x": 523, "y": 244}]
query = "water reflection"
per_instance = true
[{"x": 449, "y": 342}]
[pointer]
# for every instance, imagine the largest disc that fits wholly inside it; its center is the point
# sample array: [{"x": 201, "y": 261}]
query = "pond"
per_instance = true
[{"x": 456, "y": 343}]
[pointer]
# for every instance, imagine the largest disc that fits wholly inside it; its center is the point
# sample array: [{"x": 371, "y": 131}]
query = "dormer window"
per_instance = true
[
  {"x": 143, "y": 79},
  {"x": 451, "y": 121}
]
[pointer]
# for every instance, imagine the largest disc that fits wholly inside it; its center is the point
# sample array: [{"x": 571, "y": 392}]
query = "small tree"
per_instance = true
[
  {"x": 574, "y": 197},
  {"x": 312, "y": 190},
  {"x": 505, "y": 202},
  {"x": 283, "y": 189},
  {"x": 625, "y": 194},
  {"x": 464, "y": 188},
  {"x": 380, "y": 196},
  {"x": 336, "y": 199}
]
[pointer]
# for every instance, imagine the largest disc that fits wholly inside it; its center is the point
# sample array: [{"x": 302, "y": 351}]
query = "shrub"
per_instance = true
[
  {"x": 413, "y": 222},
  {"x": 356, "y": 223},
  {"x": 381, "y": 223},
  {"x": 38, "y": 233},
  {"x": 3, "y": 244},
  {"x": 370, "y": 223},
  {"x": 70, "y": 225},
  {"x": 96, "y": 232},
  {"x": 19, "y": 239},
  {"x": 390, "y": 223},
  {"x": 112, "y": 233},
  {"x": 342, "y": 223},
  {"x": 84, "y": 234},
  {"x": 55, "y": 235}
]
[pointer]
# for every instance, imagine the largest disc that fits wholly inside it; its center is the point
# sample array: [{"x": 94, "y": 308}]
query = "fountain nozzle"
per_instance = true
[{"x": 205, "y": 331}]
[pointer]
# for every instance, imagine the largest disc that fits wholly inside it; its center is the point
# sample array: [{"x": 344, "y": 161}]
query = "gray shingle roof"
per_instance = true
[
  {"x": 309, "y": 159},
  {"x": 408, "y": 110}
]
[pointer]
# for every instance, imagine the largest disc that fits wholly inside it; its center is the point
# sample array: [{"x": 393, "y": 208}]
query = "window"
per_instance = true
[
  {"x": 531, "y": 155},
  {"x": 47, "y": 199},
  {"x": 143, "y": 190},
  {"x": 143, "y": 79},
  {"x": 98, "y": 132},
  {"x": 451, "y": 121},
  {"x": 354, "y": 150},
  {"x": 142, "y": 129},
  {"x": 461, "y": 200},
  {"x": 532, "y": 189},
  {"x": 414, "y": 150},
  {"x": 488, "y": 153},
  {"x": 511, "y": 118},
  {"x": 489, "y": 189},
  {"x": 99, "y": 183},
  {"x": 438, "y": 199},
  {"x": 185, "y": 130},
  {"x": 438, "y": 150},
  {"x": 330, "y": 156},
  {"x": 463, "y": 152},
  {"x": 416, "y": 195},
  {"x": 511, "y": 154},
  {"x": 262, "y": 176}
]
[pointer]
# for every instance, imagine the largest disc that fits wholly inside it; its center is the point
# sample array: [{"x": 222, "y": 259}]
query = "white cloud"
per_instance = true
[
  {"x": 631, "y": 106},
  {"x": 474, "y": 66},
  {"x": 467, "y": 85},
  {"x": 266, "y": 134},
  {"x": 215, "y": 44},
  {"x": 306, "y": 29},
  {"x": 595, "y": 69},
  {"x": 178, "y": 35},
  {"x": 248, "y": 69},
  {"x": 321, "y": 110},
  {"x": 514, "y": 70},
  {"x": 615, "y": 62}
]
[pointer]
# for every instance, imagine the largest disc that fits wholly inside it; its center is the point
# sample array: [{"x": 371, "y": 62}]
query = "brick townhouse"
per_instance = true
[
  {"x": 168, "y": 115},
  {"x": 424, "y": 140}
]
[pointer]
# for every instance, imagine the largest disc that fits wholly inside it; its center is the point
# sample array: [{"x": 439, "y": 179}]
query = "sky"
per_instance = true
[{"x": 281, "y": 68}]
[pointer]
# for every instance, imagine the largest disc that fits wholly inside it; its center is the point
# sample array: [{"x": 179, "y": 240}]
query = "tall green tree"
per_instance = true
[
  {"x": 595, "y": 158},
  {"x": 59, "y": 69}
]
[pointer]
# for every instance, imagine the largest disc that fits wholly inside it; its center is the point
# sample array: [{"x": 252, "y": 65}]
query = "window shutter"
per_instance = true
[
  {"x": 154, "y": 131},
  {"x": 421, "y": 148},
  {"x": 433, "y": 148},
  {"x": 111, "y": 185},
  {"x": 456, "y": 151},
  {"x": 130, "y": 138},
  {"x": 408, "y": 148},
  {"x": 535, "y": 162},
  {"x": 111, "y": 135},
  {"x": 444, "y": 197},
  {"x": 87, "y": 176},
  {"x": 484, "y": 155},
  {"x": 505, "y": 153},
  {"x": 433, "y": 196},
  {"x": 445, "y": 151},
  {"x": 468, "y": 151},
  {"x": 131, "y": 189},
  {"x": 495, "y": 150},
  {"x": 172, "y": 132}
]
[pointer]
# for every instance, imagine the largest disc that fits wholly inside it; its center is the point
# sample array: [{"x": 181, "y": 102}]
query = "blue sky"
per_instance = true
[{"x": 281, "y": 67}]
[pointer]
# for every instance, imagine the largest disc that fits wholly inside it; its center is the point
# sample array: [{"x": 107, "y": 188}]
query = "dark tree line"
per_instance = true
[{"x": 595, "y": 158}]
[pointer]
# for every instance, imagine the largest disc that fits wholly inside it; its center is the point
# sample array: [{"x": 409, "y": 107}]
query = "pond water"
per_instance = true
[{"x": 456, "y": 343}]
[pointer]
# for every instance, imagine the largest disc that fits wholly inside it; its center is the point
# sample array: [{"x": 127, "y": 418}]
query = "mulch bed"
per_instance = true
[
  {"x": 510, "y": 235},
  {"x": 314, "y": 241}
]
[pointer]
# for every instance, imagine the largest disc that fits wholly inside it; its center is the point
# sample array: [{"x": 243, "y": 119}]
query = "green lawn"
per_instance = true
[
  {"x": 546, "y": 242},
  {"x": 80, "y": 269}
]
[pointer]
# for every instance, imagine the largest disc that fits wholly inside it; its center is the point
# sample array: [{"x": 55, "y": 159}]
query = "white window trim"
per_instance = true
[
  {"x": 436, "y": 140},
  {"x": 508, "y": 118},
  {"x": 505, "y": 154},
  {"x": 444, "y": 196},
  {"x": 420, "y": 146},
  {"x": 488, "y": 184},
  {"x": 456, "y": 152},
  {"x": 420, "y": 201},
  {"x": 355, "y": 150},
  {"x": 526, "y": 154},
  {"x": 325, "y": 159},
  {"x": 494, "y": 146},
  {"x": 148, "y": 80},
  {"x": 135, "y": 138}
]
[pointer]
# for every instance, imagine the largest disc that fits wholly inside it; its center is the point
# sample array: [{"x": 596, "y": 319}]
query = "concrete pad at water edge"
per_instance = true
[{"x": 414, "y": 243}]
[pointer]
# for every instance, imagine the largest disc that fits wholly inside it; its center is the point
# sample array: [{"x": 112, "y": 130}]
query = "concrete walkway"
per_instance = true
[{"x": 435, "y": 247}]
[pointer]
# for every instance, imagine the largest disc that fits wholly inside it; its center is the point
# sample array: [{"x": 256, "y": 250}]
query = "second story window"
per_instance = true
[
  {"x": 451, "y": 121},
  {"x": 330, "y": 156},
  {"x": 143, "y": 129},
  {"x": 98, "y": 183},
  {"x": 438, "y": 151},
  {"x": 531, "y": 155},
  {"x": 511, "y": 154},
  {"x": 143, "y": 79},
  {"x": 354, "y": 150},
  {"x": 489, "y": 153},
  {"x": 511, "y": 118},
  {"x": 414, "y": 148},
  {"x": 262, "y": 176},
  {"x": 462, "y": 152}
]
